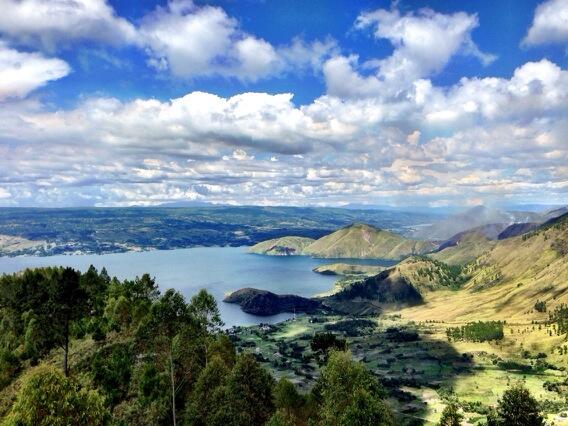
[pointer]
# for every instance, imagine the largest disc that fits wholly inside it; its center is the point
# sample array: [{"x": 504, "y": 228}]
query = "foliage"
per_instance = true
[
  {"x": 49, "y": 398},
  {"x": 322, "y": 343},
  {"x": 352, "y": 327},
  {"x": 559, "y": 317},
  {"x": 540, "y": 306},
  {"x": 518, "y": 407},
  {"x": 348, "y": 393},
  {"x": 451, "y": 415},
  {"x": 480, "y": 331}
]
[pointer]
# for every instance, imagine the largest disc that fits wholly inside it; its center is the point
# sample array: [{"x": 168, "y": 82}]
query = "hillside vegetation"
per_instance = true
[
  {"x": 507, "y": 281},
  {"x": 285, "y": 246},
  {"x": 357, "y": 241},
  {"x": 466, "y": 248}
]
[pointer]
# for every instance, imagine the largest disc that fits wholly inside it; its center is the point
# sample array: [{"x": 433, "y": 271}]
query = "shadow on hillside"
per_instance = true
[{"x": 413, "y": 371}]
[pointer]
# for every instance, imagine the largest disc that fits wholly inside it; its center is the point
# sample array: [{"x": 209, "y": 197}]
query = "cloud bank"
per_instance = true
[{"x": 383, "y": 131}]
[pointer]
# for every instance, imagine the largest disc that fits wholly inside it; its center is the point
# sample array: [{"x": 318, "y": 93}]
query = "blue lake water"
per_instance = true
[{"x": 217, "y": 269}]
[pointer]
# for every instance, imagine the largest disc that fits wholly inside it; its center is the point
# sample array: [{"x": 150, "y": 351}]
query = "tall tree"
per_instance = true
[
  {"x": 68, "y": 302},
  {"x": 169, "y": 333}
]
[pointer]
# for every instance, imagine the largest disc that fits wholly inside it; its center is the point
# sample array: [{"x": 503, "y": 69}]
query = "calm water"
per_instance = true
[{"x": 217, "y": 269}]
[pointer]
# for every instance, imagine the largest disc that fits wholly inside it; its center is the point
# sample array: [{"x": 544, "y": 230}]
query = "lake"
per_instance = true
[{"x": 219, "y": 270}]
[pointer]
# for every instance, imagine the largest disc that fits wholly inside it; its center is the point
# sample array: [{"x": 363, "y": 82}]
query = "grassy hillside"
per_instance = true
[
  {"x": 364, "y": 241},
  {"x": 467, "y": 248},
  {"x": 407, "y": 283},
  {"x": 285, "y": 246},
  {"x": 507, "y": 281}
]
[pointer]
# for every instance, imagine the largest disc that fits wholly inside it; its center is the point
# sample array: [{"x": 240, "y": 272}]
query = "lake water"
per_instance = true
[{"x": 219, "y": 270}]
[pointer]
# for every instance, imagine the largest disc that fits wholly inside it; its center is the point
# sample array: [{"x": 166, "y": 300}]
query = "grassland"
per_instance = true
[{"x": 422, "y": 374}]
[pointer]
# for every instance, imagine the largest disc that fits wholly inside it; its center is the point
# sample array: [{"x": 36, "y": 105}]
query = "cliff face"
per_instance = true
[{"x": 264, "y": 303}]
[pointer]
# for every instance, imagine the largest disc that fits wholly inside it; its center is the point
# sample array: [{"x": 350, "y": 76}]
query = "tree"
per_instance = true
[
  {"x": 322, "y": 343},
  {"x": 248, "y": 396},
  {"x": 68, "y": 302},
  {"x": 207, "y": 396},
  {"x": 204, "y": 308},
  {"x": 347, "y": 391},
  {"x": 518, "y": 407},
  {"x": 289, "y": 404},
  {"x": 165, "y": 333},
  {"x": 451, "y": 415},
  {"x": 47, "y": 398},
  {"x": 366, "y": 410}
]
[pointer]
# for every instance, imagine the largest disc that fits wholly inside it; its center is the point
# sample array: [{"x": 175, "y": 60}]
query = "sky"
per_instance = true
[{"x": 283, "y": 102}]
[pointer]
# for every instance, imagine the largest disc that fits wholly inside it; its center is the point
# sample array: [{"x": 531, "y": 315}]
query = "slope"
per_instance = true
[
  {"x": 364, "y": 241},
  {"x": 285, "y": 246},
  {"x": 507, "y": 281}
]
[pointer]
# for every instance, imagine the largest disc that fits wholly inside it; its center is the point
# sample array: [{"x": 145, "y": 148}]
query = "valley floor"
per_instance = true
[{"x": 421, "y": 369}]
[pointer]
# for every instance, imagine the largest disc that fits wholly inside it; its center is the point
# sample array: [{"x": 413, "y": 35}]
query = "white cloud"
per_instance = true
[
  {"x": 423, "y": 42},
  {"x": 23, "y": 72},
  {"x": 477, "y": 138},
  {"x": 550, "y": 24},
  {"x": 53, "y": 23},
  {"x": 194, "y": 41}
]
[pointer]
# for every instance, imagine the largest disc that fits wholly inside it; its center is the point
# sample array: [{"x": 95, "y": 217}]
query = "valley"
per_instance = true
[{"x": 436, "y": 323}]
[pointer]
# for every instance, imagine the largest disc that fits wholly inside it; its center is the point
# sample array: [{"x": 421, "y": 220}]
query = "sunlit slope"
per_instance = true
[
  {"x": 508, "y": 280},
  {"x": 469, "y": 247},
  {"x": 364, "y": 241},
  {"x": 285, "y": 246},
  {"x": 407, "y": 283}
]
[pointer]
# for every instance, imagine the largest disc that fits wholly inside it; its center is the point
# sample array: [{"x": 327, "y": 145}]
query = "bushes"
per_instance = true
[
  {"x": 480, "y": 331},
  {"x": 48, "y": 398}
]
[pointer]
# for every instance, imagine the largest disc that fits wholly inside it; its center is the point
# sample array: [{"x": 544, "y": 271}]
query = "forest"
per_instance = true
[{"x": 87, "y": 349}]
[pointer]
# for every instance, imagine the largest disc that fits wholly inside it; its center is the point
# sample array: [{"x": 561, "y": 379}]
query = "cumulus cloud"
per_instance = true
[
  {"x": 52, "y": 23},
  {"x": 193, "y": 41},
  {"x": 181, "y": 38},
  {"x": 476, "y": 139},
  {"x": 423, "y": 43},
  {"x": 23, "y": 72},
  {"x": 550, "y": 24}
]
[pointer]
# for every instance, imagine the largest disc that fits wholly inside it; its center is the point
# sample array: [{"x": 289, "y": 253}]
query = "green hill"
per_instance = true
[
  {"x": 467, "y": 248},
  {"x": 363, "y": 241},
  {"x": 407, "y": 283},
  {"x": 285, "y": 246}
]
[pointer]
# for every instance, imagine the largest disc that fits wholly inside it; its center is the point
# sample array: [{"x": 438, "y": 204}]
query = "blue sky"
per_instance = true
[{"x": 283, "y": 102}]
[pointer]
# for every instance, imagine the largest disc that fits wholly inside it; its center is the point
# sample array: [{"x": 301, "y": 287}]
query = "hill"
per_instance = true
[
  {"x": 517, "y": 229},
  {"x": 463, "y": 248},
  {"x": 364, "y": 241},
  {"x": 507, "y": 281},
  {"x": 262, "y": 302},
  {"x": 285, "y": 246},
  {"x": 407, "y": 283},
  {"x": 469, "y": 219},
  {"x": 347, "y": 269}
]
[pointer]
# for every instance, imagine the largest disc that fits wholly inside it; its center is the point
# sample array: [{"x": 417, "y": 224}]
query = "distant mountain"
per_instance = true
[
  {"x": 506, "y": 281},
  {"x": 552, "y": 214},
  {"x": 285, "y": 246},
  {"x": 472, "y": 218},
  {"x": 517, "y": 229},
  {"x": 364, "y": 241},
  {"x": 357, "y": 241}
]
